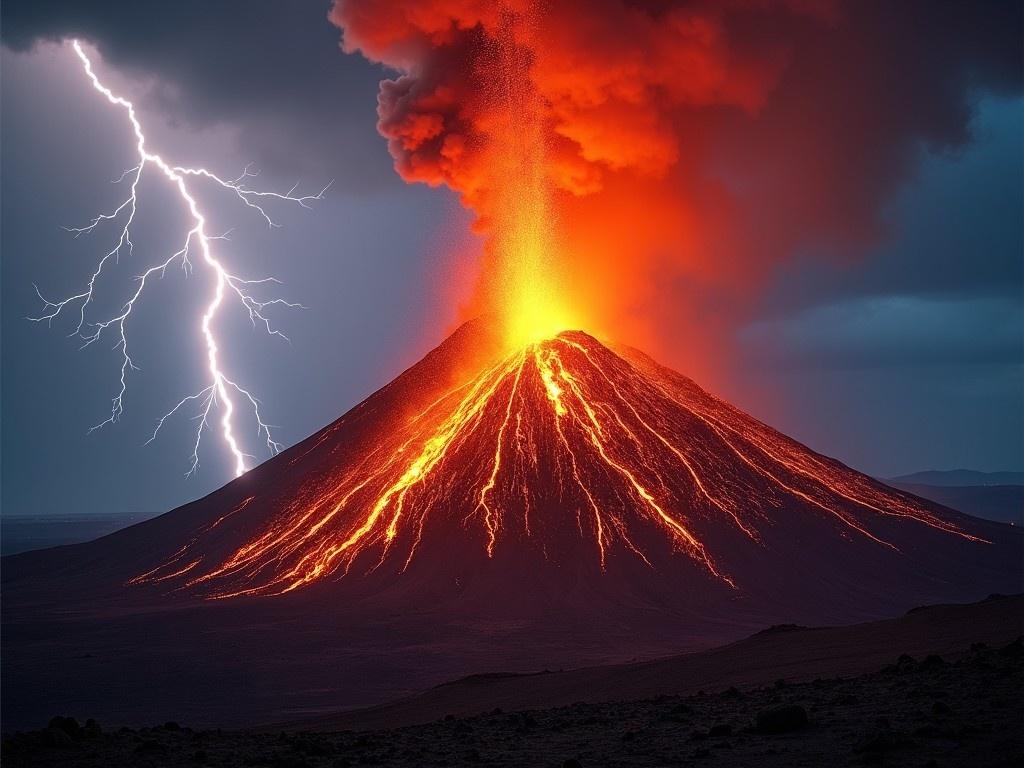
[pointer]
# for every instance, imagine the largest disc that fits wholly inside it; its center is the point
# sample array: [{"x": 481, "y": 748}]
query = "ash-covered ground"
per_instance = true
[{"x": 964, "y": 710}]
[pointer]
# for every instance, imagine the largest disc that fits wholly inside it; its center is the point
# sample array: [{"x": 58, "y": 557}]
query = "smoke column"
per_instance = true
[{"x": 661, "y": 158}]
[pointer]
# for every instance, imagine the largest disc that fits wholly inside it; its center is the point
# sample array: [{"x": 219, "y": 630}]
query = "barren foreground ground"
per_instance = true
[{"x": 961, "y": 710}]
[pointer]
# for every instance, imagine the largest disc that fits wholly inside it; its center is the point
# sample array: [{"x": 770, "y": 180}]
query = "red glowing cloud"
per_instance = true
[{"x": 689, "y": 146}]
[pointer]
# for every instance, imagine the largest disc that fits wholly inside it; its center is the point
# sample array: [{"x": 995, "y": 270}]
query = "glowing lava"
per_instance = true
[
  {"x": 523, "y": 284},
  {"x": 549, "y": 458},
  {"x": 562, "y": 435}
]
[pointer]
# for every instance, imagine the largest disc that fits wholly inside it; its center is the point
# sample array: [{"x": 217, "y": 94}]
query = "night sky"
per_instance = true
[{"x": 906, "y": 355}]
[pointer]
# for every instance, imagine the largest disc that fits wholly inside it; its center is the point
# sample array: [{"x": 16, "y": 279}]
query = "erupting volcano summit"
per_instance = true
[{"x": 568, "y": 455}]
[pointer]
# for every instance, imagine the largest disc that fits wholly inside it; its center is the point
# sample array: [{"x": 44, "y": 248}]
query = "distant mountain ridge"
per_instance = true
[{"x": 958, "y": 477}]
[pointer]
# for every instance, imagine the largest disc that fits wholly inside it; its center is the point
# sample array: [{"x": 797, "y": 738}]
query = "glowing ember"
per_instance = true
[
  {"x": 635, "y": 455},
  {"x": 521, "y": 283}
]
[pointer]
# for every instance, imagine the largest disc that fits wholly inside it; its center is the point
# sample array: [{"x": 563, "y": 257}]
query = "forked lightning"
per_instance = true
[{"x": 221, "y": 390}]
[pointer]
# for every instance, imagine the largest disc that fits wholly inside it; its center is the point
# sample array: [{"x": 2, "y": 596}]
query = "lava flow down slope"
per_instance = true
[
  {"x": 568, "y": 502},
  {"x": 566, "y": 453}
]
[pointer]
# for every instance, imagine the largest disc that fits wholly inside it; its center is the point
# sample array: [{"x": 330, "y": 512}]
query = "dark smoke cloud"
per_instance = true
[
  {"x": 267, "y": 68},
  {"x": 701, "y": 143}
]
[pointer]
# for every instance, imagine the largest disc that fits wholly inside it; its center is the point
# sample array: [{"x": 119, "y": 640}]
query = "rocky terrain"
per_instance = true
[{"x": 960, "y": 710}]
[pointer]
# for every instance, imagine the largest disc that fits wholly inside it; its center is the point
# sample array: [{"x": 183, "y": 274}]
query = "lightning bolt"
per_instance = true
[{"x": 221, "y": 390}]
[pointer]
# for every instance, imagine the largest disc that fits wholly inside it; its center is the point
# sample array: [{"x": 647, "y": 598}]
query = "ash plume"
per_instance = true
[{"x": 691, "y": 146}]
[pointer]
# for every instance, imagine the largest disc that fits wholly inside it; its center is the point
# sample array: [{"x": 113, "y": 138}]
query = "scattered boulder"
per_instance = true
[
  {"x": 91, "y": 729},
  {"x": 56, "y": 737},
  {"x": 784, "y": 719},
  {"x": 523, "y": 722},
  {"x": 880, "y": 739},
  {"x": 68, "y": 725},
  {"x": 313, "y": 746},
  {"x": 1013, "y": 650},
  {"x": 150, "y": 747}
]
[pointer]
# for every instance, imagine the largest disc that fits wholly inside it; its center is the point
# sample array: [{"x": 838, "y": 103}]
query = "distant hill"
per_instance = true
[
  {"x": 23, "y": 533},
  {"x": 958, "y": 477},
  {"x": 1001, "y": 503},
  {"x": 790, "y": 652},
  {"x": 997, "y": 496}
]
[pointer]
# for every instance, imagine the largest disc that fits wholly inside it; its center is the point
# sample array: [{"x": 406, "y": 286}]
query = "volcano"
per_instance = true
[{"x": 565, "y": 503}]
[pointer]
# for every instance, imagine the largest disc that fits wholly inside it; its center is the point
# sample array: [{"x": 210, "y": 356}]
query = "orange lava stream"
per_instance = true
[{"x": 634, "y": 453}]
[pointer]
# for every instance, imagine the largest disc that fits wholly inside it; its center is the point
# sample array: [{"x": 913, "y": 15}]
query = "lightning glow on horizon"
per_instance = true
[{"x": 220, "y": 388}]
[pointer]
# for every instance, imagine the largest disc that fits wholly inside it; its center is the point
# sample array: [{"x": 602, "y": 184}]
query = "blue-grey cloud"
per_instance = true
[{"x": 894, "y": 330}]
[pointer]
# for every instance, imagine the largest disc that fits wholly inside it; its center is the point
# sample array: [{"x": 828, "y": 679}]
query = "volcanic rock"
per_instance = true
[{"x": 791, "y": 717}]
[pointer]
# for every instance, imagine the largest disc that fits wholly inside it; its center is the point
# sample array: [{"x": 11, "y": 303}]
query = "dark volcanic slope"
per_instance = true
[{"x": 562, "y": 505}]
